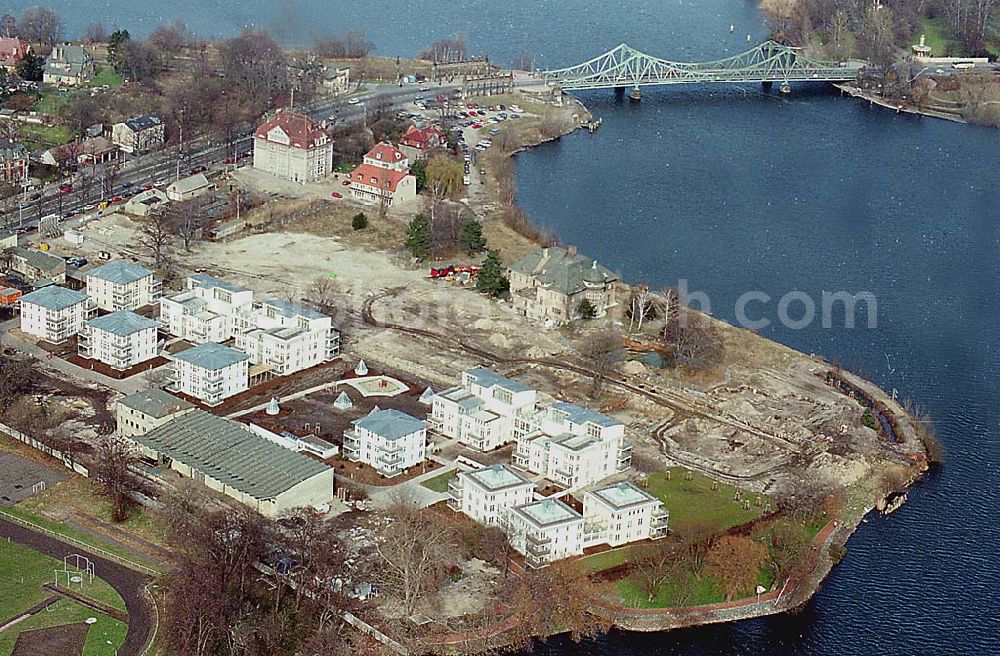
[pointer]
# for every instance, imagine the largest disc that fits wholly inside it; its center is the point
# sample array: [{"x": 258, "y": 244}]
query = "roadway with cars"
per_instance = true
[{"x": 163, "y": 167}]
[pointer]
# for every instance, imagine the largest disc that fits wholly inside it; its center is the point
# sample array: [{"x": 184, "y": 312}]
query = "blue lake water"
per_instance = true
[{"x": 734, "y": 190}]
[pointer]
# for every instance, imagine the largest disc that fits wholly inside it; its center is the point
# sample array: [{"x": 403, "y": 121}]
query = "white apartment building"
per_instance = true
[
  {"x": 120, "y": 340},
  {"x": 487, "y": 494},
  {"x": 210, "y": 373},
  {"x": 54, "y": 313},
  {"x": 140, "y": 134},
  {"x": 285, "y": 336},
  {"x": 205, "y": 311},
  {"x": 544, "y": 531},
  {"x": 482, "y": 410},
  {"x": 121, "y": 285},
  {"x": 571, "y": 445},
  {"x": 141, "y": 412},
  {"x": 389, "y": 440},
  {"x": 292, "y": 146},
  {"x": 622, "y": 513}
]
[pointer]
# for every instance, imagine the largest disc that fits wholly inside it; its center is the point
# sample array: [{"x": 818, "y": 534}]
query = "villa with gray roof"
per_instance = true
[
  {"x": 487, "y": 494},
  {"x": 544, "y": 531},
  {"x": 54, "y": 313},
  {"x": 622, "y": 513},
  {"x": 389, "y": 440},
  {"x": 227, "y": 457},
  {"x": 481, "y": 411},
  {"x": 550, "y": 284},
  {"x": 210, "y": 372},
  {"x": 68, "y": 65},
  {"x": 120, "y": 340},
  {"x": 141, "y": 412},
  {"x": 138, "y": 135},
  {"x": 121, "y": 285}
]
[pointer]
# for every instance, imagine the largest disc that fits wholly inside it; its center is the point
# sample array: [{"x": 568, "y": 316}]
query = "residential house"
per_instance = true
[
  {"x": 388, "y": 440},
  {"x": 622, "y": 513},
  {"x": 189, "y": 188},
  {"x": 292, "y": 146},
  {"x": 229, "y": 458},
  {"x": 120, "y": 340},
  {"x": 9, "y": 296},
  {"x": 121, "y": 285},
  {"x": 68, "y": 65},
  {"x": 481, "y": 411},
  {"x": 210, "y": 373},
  {"x": 418, "y": 142},
  {"x": 8, "y": 239},
  {"x": 572, "y": 445},
  {"x": 205, "y": 311},
  {"x": 384, "y": 177},
  {"x": 37, "y": 267},
  {"x": 140, "y": 134},
  {"x": 550, "y": 284},
  {"x": 13, "y": 162},
  {"x": 487, "y": 494},
  {"x": 285, "y": 336},
  {"x": 336, "y": 80},
  {"x": 54, "y": 313},
  {"x": 544, "y": 531},
  {"x": 141, "y": 412},
  {"x": 12, "y": 51}
]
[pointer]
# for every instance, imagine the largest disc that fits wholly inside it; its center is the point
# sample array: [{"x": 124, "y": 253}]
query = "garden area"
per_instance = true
[
  {"x": 23, "y": 572},
  {"x": 439, "y": 483},
  {"x": 715, "y": 552}
]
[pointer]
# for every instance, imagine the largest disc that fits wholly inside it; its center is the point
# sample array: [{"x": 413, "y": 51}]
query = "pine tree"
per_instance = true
[
  {"x": 491, "y": 279},
  {"x": 470, "y": 236},
  {"x": 360, "y": 221},
  {"x": 116, "y": 55},
  {"x": 586, "y": 309},
  {"x": 419, "y": 171},
  {"x": 418, "y": 236},
  {"x": 32, "y": 67}
]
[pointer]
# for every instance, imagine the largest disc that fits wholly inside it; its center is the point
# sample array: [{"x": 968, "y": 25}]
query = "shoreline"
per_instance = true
[
  {"x": 835, "y": 534},
  {"x": 873, "y": 99}
]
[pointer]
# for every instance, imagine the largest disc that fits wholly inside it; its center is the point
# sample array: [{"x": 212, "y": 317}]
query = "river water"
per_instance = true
[{"x": 734, "y": 190}]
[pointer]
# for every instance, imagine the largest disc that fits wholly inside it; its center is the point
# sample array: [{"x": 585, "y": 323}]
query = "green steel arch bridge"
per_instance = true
[{"x": 769, "y": 62}]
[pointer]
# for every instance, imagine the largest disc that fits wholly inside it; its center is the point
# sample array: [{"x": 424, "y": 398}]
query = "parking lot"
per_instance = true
[{"x": 20, "y": 478}]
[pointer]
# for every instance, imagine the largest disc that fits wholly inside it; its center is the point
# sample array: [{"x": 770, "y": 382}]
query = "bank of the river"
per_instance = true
[
  {"x": 896, "y": 106},
  {"x": 829, "y": 544}
]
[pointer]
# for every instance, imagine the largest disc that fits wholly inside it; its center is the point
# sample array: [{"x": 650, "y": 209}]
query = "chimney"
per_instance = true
[{"x": 571, "y": 251}]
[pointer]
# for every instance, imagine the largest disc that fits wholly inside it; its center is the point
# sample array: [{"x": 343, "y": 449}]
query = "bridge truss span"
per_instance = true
[{"x": 770, "y": 61}]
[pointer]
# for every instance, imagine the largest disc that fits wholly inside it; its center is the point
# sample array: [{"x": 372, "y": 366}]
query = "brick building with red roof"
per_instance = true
[
  {"x": 12, "y": 51},
  {"x": 417, "y": 142},
  {"x": 294, "y": 147}
]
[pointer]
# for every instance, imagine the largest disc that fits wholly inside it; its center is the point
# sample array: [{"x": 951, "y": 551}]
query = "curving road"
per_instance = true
[{"x": 129, "y": 584}]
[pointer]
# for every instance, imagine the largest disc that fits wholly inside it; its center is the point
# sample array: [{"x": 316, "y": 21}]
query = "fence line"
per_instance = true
[
  {"x": 138, "y": 567},
  {"x": 67, "y": 461}
]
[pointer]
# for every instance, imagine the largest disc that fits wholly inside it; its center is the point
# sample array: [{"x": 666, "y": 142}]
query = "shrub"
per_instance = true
[{"x": 360, "y": 221}]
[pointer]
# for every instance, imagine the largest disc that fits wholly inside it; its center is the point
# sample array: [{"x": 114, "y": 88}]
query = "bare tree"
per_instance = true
[
  {"x": 447, "y": 50},
  {"x": 40, "y": 25},
  {"x": 414, "y": 552},
  {"x": 695, "y": 341},
  {"x": 15, "y": 381},
  {"x": 156, "y": 237},
  {"x": 255, "y": 66},
  {"x": 170, "y": 38},
  {"x": 524, "y": 61},
  {"x": 603, "y": 351},
  {"x": 112, "y": 469},
  {"x": 568, "y": 595},
  {"x": 640, "y": 306},
  {"x": 655, "y": 564},
  {"x": 735, "y": 560},
  {"x": 95, "y": 33},
  {"x": 322, "y": 292}
]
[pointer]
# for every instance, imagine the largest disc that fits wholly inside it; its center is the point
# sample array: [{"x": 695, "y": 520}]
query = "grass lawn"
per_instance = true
[
  {"x": 24, "y": 570},
  {"x": 606, "y": 559},
  {"x": 344, "y": 167},
  {"x": 692, "y": 502},
  {"x": 44, "y": 135},
  {"x": 106, "y": 76},
  {"x": 936, "y": 32},
  {"x": 104, "y": 638},
  {"x": 49, "y": 102},
  {"x": 695, "y": 592},
  {"x": 439, "y": 483}
]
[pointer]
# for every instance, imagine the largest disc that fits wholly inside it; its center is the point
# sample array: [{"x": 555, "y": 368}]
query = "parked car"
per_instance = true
[
  {"x": 336, "y": 194},
  {"x": 353, "y": 101},
  {"x": 346, "y": 183}
]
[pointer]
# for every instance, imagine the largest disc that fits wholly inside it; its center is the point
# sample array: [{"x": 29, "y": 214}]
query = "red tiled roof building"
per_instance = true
[{"x": 294, "y": 147}]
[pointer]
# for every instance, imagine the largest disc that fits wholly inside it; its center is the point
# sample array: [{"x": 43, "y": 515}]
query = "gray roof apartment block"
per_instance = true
[
  {"x": 211, "y": 356},
  {"x": 390, "y": 424},
  {"x": 155, "y": 403},
  {"x": 122, "y": 323},
  {"x": 120, "y": 272},
  {"x": 54, "y": 298}
]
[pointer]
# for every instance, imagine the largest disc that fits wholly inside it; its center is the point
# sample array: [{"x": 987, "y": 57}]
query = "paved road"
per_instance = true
[{"x": 129, "y": 584}]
